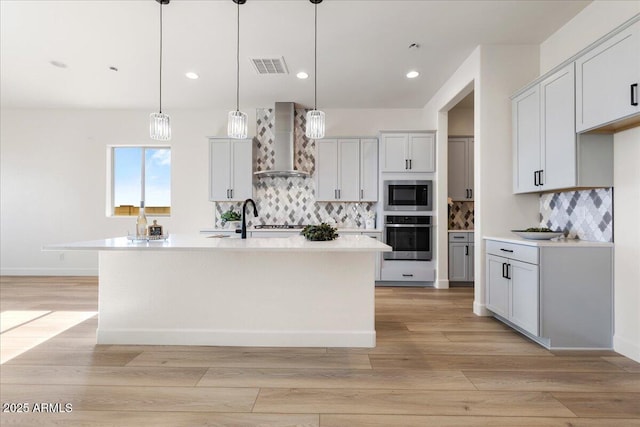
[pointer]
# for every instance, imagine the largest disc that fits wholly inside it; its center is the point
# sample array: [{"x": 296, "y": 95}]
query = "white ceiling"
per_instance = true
[{"x": 363, "y": 52}]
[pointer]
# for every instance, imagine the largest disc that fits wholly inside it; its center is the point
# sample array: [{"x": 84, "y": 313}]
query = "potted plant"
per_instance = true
[
  {"x": 319, "y": 232},
  {"x": 231, "y": 219}
]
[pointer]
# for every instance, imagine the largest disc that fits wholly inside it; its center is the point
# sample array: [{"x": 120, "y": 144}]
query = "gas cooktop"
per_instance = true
[{"x": 278, "y": 227}]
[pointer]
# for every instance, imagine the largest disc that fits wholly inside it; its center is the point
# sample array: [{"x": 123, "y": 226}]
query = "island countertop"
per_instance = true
[{"x": 194, "y": 242}]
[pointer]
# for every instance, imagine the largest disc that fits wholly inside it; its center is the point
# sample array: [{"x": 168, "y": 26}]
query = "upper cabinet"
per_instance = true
[
  {"x": 607, "y": 80},
  {"x": 548, "y": 154},
  {"x": 408, "y": 152},
  {"x": 347, "y": 169},
  {"x": 230, "y": 169},
  {"x": 460, "y": 171}
]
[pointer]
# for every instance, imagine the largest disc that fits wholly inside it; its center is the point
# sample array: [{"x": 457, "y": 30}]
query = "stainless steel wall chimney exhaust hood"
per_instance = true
[{"x": 283, "y": 148}]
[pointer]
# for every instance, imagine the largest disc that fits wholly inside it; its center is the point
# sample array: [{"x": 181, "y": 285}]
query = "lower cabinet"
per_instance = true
[
  {"x": 559, "y": 293},
  {"x": 407, "y": 271},
  {"x": 461, "y": 256}
]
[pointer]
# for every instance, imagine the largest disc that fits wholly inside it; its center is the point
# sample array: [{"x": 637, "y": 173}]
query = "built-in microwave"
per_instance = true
[{"x": 408, "y": 195}]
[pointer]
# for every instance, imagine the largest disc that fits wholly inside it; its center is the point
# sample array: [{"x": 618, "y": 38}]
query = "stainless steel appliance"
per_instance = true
[
  {"x": 409, "y": 236},
  {"x": 408, "y": 195}
]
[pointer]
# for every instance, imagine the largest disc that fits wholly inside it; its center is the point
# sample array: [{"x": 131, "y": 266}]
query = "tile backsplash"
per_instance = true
[
  {"x": 461, "y": 216},
  {"x": 283, "y": 200},
  {"x": 585, "y": 214}
]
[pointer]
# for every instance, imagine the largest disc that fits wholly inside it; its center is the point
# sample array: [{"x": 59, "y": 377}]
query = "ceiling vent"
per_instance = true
[{"x": 269, "y": 65}]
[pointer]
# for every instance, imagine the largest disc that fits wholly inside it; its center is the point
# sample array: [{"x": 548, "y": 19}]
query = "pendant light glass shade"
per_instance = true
[
  {"x": 315, "y": 118},
  {"x": 159, "y": 123},
  {"x": 238, "y": 125},
  {"x": 315, "y": 124},
  {"x": 160, "y": 126}
]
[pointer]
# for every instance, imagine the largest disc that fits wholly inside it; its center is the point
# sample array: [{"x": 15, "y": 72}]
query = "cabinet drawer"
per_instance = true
[
  {"x": 513, "y": 251},
  {"x": 407, "y": 271},
  {"x": 459, "y": 236}
]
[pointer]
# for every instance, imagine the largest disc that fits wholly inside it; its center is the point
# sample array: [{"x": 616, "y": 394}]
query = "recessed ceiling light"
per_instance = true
[
  {"x": 58, "y": 64},
  {"x": 302, "y": 75},
  {"x": 412, "y": 74},
  {"x": 191, "y": 75}
]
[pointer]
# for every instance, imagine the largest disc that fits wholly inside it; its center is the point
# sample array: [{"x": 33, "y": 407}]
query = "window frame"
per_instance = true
[{"x": 110, "y": 202}]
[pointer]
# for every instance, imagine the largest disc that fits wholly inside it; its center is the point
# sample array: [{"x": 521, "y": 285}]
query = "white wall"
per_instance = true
[
  {"x": 494, "y": 73},
  {"x": 593, "y": 22},
  {"x": 626, "y": 178},
  {"x": 54, "y": 167}
]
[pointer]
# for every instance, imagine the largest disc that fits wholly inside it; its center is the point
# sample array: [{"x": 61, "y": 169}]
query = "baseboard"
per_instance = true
[
  {"x": 242, "y": 338},
  {"x": 626, "y": 348},
  {"x": 49, "y": 271},
  {"x": 480, "y": 309},
  {"x": 442, "y": 284}
]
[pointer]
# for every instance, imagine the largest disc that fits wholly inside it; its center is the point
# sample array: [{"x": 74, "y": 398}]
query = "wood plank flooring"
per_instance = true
[{"x": 436, "y": 364}]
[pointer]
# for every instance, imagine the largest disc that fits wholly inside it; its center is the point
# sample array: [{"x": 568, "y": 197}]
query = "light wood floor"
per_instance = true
[{"x": 436, "y": 364}]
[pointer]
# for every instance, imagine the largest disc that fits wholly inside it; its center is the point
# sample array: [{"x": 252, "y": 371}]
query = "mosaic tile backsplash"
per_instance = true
[
  {"x": 461, "y": 216},
  {"x": 283, "y": 200},
  {"x": 584, "y": 215}
]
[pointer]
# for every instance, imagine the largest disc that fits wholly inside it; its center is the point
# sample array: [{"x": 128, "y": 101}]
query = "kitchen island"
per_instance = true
[{"x": 199, "y": 290}]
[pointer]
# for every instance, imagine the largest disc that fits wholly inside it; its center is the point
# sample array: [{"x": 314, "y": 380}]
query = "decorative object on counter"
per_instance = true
[
  {"x": 369, "y": 220},
  {"x": 315, "y": 118},
  {"x": 322, "y": 232},
  {"x": 155, "y": 230},
  {"x": 238, "y": 123},
  {"x": 141, "y": 222},
  {"x": 231, "y": 218},
  {"x": 537, "y": 233},
  {"x": 159, "y": 123}
]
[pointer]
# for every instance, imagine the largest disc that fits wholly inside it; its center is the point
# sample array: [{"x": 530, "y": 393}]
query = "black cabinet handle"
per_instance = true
[
  {"x": 504, "y": 268},
  {"x": 466, "y": 250},
  {"x": 407, "y": 275},
  {"x": 535, "y": 178},
  {"x": 634, "y": 94},
  {"x": 458, "y": 237},
  {"x": 231, "y": 193},
  {"x": 507, "y": 250},
  {"x": 508, "y": 271},
  {"x": 540, "y": 180},
  {"x": 406, "y": 164},
  {"x": 410, "y": 165}
]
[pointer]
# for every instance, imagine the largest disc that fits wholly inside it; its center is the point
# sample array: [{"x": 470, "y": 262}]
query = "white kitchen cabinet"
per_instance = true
[
  {"x": 346, "y": 170},
  {"x": 547, "y": 152},
  {"x": 407, "y": 271},
  {"x": 460, "y": 168},
  {"x": 230, "y": 169},
  {"x": 559, "y": 293},
  {"x": 408, "y": 152},
  {"x": 461, "y": 256},
  {"x": 607, "y": 79}
]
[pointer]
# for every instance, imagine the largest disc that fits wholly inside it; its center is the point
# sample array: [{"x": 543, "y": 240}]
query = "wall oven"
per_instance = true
[
  {"x": 408, "y": 195},
  {"x": 409, "y": 236}
]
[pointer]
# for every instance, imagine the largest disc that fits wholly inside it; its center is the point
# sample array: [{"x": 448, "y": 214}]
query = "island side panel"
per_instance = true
[{"x": 237, "y": 298}]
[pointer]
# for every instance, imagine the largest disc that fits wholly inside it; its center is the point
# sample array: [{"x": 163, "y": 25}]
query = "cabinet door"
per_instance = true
[
  {"x": 422, "y": 153},
  {"x": 369, "y": 170},
  {"x": 458, "y": 264},
  {"x": 497, "y": 286},
  {"x": 349, "y": 169},
  {"x": 327, "y": 170},
  {"x": 393, "y": 152},
  {"x": 219, "y": 169},
  {"x": 457, "y": 173},
  {"x": 558, "y": 130},
  {"x": 241, "y": 171},
  {"x": 526, "y": 139},
  {"x": 471, "y": 270},
  {"x": 525, "y": 307},
  {"x": 470, "y": 166},
  {"x": 604, "y": 77}
]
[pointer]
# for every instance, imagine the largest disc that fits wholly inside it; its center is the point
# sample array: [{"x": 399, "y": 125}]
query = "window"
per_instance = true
[{"x": 141, "y": 173}]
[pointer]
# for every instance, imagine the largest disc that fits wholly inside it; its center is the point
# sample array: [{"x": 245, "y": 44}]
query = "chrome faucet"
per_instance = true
[{"x": 243, "y": 231}]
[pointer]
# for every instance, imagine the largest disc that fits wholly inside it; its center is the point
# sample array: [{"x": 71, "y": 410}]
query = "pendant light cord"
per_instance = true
[
  {"x": 238, "y": 62},
  {"x": 315, "y": 58},
  {"x": 160, "y": 58}
]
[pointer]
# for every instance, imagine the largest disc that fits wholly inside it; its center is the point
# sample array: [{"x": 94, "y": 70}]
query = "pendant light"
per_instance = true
[
  {"x": 238, "y": 124},
  {"x": 159, "y": 123},
  {"x": 315, "y": 118}
]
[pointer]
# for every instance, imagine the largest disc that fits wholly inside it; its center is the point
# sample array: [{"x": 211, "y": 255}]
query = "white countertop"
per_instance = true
[
  {"x": 195, "y": 242},
  {"x": 460, "y": 231},
  {"x": 291, "y": 230},
  {"x": 552, "y": 242}
]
